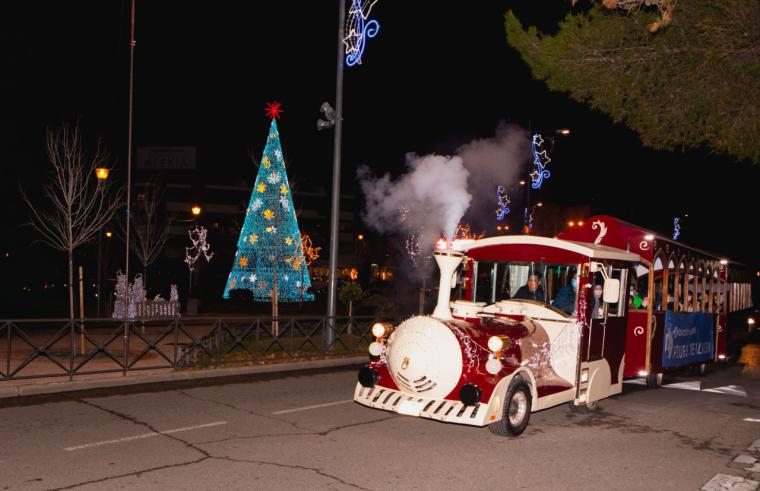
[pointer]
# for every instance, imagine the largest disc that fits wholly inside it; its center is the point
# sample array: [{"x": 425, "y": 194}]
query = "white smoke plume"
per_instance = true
[
  {"x": 436, "y": 192},
  {"x": 433, "y": 193}
]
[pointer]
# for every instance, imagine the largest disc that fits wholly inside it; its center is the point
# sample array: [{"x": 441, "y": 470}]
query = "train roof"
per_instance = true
[{"x": 596, "y": 251}]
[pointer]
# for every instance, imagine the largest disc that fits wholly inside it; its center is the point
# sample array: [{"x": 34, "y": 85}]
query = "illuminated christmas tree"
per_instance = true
[{"x": 269, "y": 259}]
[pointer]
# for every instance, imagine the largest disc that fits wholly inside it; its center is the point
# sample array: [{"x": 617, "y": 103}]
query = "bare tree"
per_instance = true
[
  {"x": 150, "y": 225},
  {"x": 79, "y": 203}
]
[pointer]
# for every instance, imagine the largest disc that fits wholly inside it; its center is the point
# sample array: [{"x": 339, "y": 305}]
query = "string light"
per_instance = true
[
  {"x": 540, "y": 160},
  {"x": 358, "y": 29},
  {"x": 200, "y": 247},
  {"x": 676, "y": 228},
  {"x": 503, "y": 202}
]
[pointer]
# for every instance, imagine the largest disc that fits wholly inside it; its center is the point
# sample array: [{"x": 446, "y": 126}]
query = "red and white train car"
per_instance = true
[
  {"x": 689, "y": 298},
  {"x": 500, "y": 351}
]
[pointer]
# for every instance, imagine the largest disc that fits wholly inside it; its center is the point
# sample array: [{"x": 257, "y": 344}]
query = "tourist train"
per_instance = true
[{"x": 535, "y": 322}]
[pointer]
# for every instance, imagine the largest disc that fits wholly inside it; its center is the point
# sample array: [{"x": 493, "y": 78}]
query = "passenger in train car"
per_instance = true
[
  {"x": 532, "y": 290},
  {"x": 669, "y": 305},
  {"x": 598, "y": 311},
  {"x": 565, "y": 299},
  {"x": 688, "y": 305}
]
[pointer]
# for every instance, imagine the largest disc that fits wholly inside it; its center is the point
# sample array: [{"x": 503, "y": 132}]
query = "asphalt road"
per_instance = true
[{"x": 301, "y": 432}]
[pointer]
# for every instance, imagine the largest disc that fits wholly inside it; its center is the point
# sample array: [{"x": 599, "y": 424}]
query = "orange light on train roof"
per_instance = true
[
  {"x": 580, "y": 223},
  {"x": 571, "y": 223}
]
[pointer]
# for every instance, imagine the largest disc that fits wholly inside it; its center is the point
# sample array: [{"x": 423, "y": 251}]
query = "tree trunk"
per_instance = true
[
  {"x": 145, "y": 278},
  {"x": 71, "y": 284},
  {"x": 350, "y": 314}
]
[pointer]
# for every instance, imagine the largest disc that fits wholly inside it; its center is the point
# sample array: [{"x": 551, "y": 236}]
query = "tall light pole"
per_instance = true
[
  {"x": 335, "y": 206},
  {"x": 129, "y": 182},
  {"x": 102, "y": 174}
]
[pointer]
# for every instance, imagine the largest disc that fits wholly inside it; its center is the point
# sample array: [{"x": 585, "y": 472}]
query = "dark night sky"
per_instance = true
[{"x": 437, "y": 75}]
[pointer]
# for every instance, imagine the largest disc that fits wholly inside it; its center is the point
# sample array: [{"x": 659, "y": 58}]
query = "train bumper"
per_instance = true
[{"x": 379, "y": 397}]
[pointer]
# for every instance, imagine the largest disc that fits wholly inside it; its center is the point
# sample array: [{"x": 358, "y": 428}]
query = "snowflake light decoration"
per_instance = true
[{"x": 676, "y": 228}]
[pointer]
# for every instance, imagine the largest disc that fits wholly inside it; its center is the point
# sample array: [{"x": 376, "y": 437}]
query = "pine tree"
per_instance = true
[{"x": 269, "y": 257}]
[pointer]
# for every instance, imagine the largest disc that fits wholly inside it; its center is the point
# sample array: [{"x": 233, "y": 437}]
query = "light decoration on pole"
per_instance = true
[
  {"x": 503, "y": 203},
  {"x": 540, "y": 161},
  {"x": 271, "y": 251},
  {"x": 200, "y": 247},
  {"x": 357, "y": 29},
  {"x": 676, "y": 228}
]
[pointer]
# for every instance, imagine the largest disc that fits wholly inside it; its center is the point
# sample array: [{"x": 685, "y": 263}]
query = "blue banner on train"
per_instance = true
[{"x": 689, "y": 338}]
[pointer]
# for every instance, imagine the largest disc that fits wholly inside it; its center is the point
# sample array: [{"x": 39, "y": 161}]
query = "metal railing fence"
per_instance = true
[{"x": 43, "y": 348}]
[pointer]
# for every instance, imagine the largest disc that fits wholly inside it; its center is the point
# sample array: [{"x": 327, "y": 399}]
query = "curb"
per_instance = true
[{"x": 63, "y": 387}]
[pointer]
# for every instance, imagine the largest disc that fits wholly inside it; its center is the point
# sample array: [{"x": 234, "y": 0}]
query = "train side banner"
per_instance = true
[{"x": 689, "y": 338}]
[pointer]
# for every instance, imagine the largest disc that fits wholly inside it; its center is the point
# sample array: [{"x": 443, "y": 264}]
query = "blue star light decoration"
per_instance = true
[
  {"x": 503, "y": 203},
  {"x": 358, "y": 28},
  {"x": 676, "y": 228},
  {"x": 540, "y": 161}
]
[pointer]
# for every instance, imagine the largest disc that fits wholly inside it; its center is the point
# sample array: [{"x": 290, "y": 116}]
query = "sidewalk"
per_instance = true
[{"x": 22, "y": 388}]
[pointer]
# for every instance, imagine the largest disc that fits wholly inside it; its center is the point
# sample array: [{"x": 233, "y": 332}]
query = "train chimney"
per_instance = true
[{"x": 448, "y": 261}]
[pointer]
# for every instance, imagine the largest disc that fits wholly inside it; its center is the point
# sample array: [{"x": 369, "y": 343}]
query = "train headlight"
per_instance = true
[
  {"x": 378, "y": 330},
  {"x": 495, "y": 344},
  {"x": 493, "y": 366},
  {"x": 376, "y": 349}
]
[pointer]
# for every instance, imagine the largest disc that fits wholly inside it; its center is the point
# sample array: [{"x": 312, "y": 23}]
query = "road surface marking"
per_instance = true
[
  {"x": 635, "y": 381},
  {"x": 315, "y": 406},
  {"x": 692, "y": 385},
  {"x": 731, "y": 390},
  {"x": 144, "y": 435},
  {"x": 752, "y": 420}
]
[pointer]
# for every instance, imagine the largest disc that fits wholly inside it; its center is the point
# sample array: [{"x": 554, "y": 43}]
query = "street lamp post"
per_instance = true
[
  {"x": 335, "y": 205},
  {"x": 129, "y": 181},
  {"x": 102, "y": 174},
  {"x": 196, "y": 211}
]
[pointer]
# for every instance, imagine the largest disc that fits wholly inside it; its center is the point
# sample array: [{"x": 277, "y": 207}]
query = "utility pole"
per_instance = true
[
  {"x": 129, "y": 184},
  {"x": 335, "y": 207}
]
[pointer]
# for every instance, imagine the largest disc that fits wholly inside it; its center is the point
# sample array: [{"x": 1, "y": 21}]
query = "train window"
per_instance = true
[
  {"x": 617, "y": 309},
  {"x": 547, "y": 283},
  {"x": 484, "y": 281},
  {"x": 599, "y": 306},
  {"x": 638, "y": 297}
]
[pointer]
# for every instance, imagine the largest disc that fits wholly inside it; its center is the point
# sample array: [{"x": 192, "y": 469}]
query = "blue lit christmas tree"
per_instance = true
[{"x": 269, "y": 260}]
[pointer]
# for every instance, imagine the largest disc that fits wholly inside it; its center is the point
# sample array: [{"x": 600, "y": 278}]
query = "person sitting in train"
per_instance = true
[
  {"x": 598, "y": 310},
  {"x": 532, "y": 290},
  {"x": 644, "y": 302},
  {"x": 689, "y": 307},
  {"x": 565, "y": 299}
]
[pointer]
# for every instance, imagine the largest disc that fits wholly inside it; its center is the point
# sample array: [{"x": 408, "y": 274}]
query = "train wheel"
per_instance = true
[
  {"x": 699, "y": 370},
  {"x": 654, "y": 380},
  {"x": 589, "y": 407},
  {"x": 516, "y": 412}
]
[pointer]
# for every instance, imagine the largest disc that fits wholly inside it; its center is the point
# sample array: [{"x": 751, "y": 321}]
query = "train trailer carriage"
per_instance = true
[
  {"x": 517, "y": 338},
  {"x": 681, "y": 299}
]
